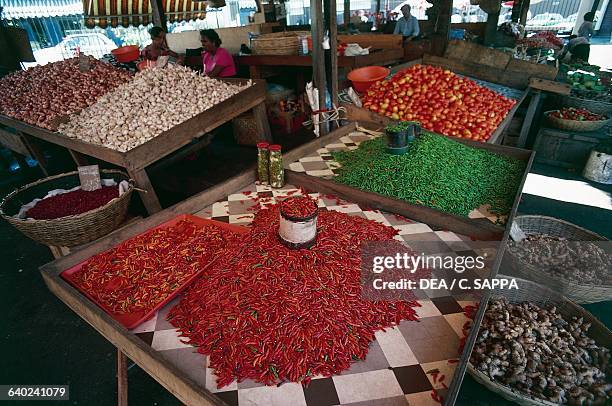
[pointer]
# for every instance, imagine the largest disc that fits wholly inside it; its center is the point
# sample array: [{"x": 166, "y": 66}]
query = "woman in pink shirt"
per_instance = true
[{"x": 217, "y": 61}]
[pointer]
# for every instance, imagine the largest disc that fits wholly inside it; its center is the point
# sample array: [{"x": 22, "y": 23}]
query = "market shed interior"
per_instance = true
[{"x": 192, "y": 192}]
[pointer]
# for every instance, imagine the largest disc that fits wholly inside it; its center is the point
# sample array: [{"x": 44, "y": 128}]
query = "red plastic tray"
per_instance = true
[{"x": 132, "y": 320}]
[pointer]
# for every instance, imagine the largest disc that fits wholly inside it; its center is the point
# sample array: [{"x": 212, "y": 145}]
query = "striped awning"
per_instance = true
[{"x": 103, "y": 13}]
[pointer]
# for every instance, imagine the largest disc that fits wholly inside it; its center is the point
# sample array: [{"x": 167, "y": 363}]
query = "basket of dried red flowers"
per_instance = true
[{"x": 71, "y": 217}]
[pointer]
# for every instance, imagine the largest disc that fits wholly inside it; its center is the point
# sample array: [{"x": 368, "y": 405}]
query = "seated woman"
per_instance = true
[
  {"x": 217, "y": 62},
  {"x": 158, "y": 47}
]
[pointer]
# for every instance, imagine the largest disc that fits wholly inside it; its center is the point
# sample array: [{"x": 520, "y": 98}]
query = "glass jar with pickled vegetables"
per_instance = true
[
  {"x": 263, "y": 162},
  {"x": 276, "y": 170}
]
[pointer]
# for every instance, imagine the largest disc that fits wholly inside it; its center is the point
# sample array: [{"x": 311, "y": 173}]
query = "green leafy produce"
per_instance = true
[{"x": 437, "y": 172}]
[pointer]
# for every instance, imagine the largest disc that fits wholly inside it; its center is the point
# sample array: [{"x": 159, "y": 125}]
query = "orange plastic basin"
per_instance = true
[
  {"x": 126, "y": 54},
  {"x": 363, "y": 78}
]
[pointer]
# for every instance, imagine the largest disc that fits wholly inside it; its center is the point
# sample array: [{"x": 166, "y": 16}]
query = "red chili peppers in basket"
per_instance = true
[
  {"x": 298, "y": 207},
  {"x": 143, "y": 271},
  {"x": 72, "y": 203},
  {"x": 272, "y": 314}
]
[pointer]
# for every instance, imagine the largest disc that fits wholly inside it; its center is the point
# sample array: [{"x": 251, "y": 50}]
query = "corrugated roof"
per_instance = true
[{"x": 14, "y": 9}]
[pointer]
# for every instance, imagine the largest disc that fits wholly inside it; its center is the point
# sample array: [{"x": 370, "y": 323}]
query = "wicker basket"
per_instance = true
[
  {"x": 595, "y": 106},
  {"x": 278, "y": 43},
  {"x": 580, "y": 293},
  {"x": 575, "y": 125},
  {"x": 245, "y": 130},
  {"x": 532, "y": 292},
  {"x": 66, "y": 231}
]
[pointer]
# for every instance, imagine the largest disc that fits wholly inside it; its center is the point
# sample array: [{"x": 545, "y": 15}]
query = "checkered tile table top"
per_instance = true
[
  {"x": 322, "y": 165},
  {"x": 401, "y": 363}
]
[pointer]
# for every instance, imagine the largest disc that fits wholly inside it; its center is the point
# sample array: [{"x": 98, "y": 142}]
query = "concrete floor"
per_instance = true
[{"x": 44, "y": 342}]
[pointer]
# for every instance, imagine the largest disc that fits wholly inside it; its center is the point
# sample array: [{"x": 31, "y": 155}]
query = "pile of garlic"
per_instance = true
[{"x": 153, "y": 102}]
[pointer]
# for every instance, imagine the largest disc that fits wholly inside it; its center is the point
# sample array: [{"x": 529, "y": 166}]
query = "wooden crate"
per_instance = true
[{"x": 565, "y": 149}]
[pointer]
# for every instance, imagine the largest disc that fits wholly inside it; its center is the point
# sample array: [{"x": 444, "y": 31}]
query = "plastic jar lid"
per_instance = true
[
  {"x": 275, "y": 147},
  {"x": 263, "y": 145}
]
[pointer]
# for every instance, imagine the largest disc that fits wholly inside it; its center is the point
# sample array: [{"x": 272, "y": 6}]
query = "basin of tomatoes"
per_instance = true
[
  {"x": 441, "y": 101},
  {"x": 571, "y": 113}
]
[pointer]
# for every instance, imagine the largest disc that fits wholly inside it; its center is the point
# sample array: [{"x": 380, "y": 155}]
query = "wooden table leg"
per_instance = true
[
  {"x": 122, "y": 379},
  {"x": 35, "y": 151},
  {"x": 149, "y": 198},
  {"x": 255, "y": 72},
  {"x": 529, "y": 116},
  {"x": 261, "y": 118},
  {"x": 78, "y": 158}
]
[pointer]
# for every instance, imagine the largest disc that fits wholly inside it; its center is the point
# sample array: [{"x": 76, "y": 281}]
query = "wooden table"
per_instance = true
[
  {"x": 172, "y": 371},
  {"x": 136, "y": 160},
  {"x": 361, "y": 114},
  {"x": 23, "y": 145},
  {"x": 258, "y": 63}
]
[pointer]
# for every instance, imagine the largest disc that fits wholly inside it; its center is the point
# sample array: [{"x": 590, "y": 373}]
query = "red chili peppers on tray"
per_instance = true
[
  {"x": 72, "y": 203},
  {"x": 298, "y": 206},
  {"x": 272, "y": 314},
  {"x": 143, "y": 271}
]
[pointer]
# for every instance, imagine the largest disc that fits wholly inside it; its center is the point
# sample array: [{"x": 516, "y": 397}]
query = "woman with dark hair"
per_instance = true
[
  {"x": 216, "y": 61},
  {"x": 158, "y": 46}
]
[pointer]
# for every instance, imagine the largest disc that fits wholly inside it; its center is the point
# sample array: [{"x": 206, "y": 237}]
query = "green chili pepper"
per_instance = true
[{"x": 437, "y": 172}]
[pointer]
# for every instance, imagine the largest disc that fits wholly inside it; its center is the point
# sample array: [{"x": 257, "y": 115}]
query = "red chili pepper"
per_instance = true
[
  {"x": 436, "y": 397},
  {"x": 310, "y": 318},
  {"x": 298, "y": 206},
  {"x": 141, "y": 272},
  {"x": 72, "y": 203}
]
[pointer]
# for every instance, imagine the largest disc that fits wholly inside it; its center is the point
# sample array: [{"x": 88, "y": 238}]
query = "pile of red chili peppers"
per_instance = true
[
  {"x": 143, "y": 271},
  {"x": 298, "y": 207},
  {"x": 272, "y": 314},
  {"x": 72, "y": 203}
]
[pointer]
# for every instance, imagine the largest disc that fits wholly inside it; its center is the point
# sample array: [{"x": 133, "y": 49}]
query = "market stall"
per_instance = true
[
  {"x": 155, "y": 346},
  {"x": 319, "y": 167},
  {"x": 159, "y": 136},
  {"x": 373, "y": 102},
  {"x": 260, "y": 65}
]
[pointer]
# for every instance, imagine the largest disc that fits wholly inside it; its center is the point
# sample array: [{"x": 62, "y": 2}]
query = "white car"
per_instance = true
[{"x": 94, "y": 44}]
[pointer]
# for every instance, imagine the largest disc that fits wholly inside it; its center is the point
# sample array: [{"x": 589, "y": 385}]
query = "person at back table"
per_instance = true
[
  {"x": 408, "y": 25},
  {"x": 587, "y": 28},
  {"x": 217, "y": 62},
  {"x": 158, "y": 47}
]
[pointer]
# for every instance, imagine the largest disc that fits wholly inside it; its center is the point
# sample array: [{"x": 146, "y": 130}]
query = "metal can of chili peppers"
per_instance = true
[
  {"x": 263, "y": 161},
  {"x": 298, "y": 222}
]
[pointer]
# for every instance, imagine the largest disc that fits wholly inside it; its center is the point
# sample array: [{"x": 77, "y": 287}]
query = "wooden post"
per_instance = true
[
  {"x": 491, "y": 29},
  {"x": 524, "y": 11},
  {"x": 519, "y": 11},
  {"x": 318, "y": 56},
  {"x": 517, "y": 7},
  {"x": 149, "y": 198},
  {"x": 443, "y": 24},
  {"x": 534, "y": 106},
  {"x": 122, "y": 379},
  {"x": 333, "y": 43},
  {"x": 159, "y": 15},
  {"x": 347, "y": 14}
]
